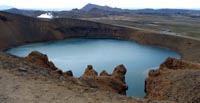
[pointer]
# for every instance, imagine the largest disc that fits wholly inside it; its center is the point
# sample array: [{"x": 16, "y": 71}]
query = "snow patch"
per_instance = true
[{"x": 46, "y": 15}]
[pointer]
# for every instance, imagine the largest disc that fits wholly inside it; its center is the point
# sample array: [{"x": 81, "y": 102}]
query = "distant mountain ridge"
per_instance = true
[
  {"x": 93, "y": 10},
  {"x": 90, "y": 6},
  {"x": 32, "y": 13}
]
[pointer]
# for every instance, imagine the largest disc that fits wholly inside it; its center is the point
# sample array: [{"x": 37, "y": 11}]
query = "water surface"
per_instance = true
[{"x": 76, "y": 54}]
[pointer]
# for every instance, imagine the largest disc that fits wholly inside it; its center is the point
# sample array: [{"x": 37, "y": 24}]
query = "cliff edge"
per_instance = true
[{"x": 175, "y": 80}]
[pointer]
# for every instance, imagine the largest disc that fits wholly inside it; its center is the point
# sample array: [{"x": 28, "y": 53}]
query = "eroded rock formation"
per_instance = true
[
  {"x": 89, "y": 71},
  {"x": 41, "y": 60},
  {"x": 175, "y": 80},
  {"x": 104, "y": 73},
  {"x": 114, "y": 82},
  {"x": 68, "y": 73},
  {"x": 119, "y": 73}
]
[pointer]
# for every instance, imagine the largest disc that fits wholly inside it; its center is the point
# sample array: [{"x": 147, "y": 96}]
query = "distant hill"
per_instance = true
[
  {"x": 5, "y": 7},
  {"x": 169, "y": 12},
  {"x": 161, "y": 12},
  {"x": 32, "y": 13},
  {"x": 90, "y": 6}
]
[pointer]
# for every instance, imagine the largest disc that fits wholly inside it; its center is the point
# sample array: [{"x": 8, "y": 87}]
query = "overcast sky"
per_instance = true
[{"x": 69, "y": 4}]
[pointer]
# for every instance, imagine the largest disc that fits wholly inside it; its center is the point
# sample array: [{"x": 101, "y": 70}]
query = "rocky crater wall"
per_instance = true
[
  {"x": 18, "y": 30},
  {"x": 175, "y": 80}
]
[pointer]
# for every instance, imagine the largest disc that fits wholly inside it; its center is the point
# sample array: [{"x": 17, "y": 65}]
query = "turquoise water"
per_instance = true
[{"x": 76, "y": 54}]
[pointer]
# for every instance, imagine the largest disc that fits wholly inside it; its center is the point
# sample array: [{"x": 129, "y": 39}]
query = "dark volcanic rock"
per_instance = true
[
  {"x": 3, "y": 18},
  {"x": 175, "y": 80}
]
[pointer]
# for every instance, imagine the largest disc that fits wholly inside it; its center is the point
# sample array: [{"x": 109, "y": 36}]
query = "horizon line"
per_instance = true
[{"x": 68, "y": 9}]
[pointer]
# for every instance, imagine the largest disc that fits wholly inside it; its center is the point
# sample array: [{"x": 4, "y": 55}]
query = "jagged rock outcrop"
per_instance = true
[
  {"x": 119, "y": 73},
  {"x": 68, "y": 73},
  {"x": 114, "y": 82},
  {"x": 154, "y": 73},
  {"x": 90, "y": 72},
  {"x": 41, "y": 60},
  {"x": 104, "y": 73},
  {"x": 175, "y": 64},
  {"x": 175, "y": 80}
]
